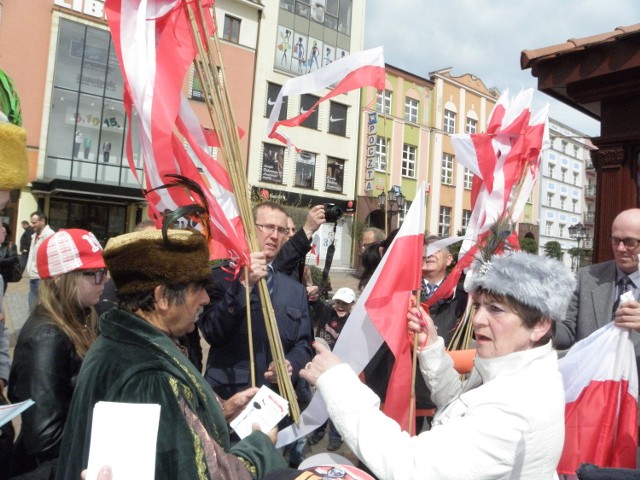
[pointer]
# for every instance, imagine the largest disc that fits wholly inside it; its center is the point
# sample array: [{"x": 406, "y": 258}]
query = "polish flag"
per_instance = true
[
  {"x": 155, "y": 46},
  {"x": 362, "y": 69},
  {"x": 504, "y": 160},
  {"x": 380, "y": 314},
  {"x": 601, "y": 415}
]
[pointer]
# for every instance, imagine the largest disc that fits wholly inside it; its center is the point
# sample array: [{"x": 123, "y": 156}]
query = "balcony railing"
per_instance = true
[{"x": 590, "y": 191}]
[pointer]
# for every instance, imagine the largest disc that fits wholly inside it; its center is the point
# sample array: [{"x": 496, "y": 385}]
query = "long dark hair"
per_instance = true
[{"x": 371, "y": 257}]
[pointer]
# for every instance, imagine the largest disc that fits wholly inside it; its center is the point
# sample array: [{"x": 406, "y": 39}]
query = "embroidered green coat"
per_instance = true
[{"x": 134, "y": 362}]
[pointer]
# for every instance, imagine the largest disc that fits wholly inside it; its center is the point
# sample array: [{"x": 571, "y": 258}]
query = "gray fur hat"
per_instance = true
[{"x": 538, "y": 282}]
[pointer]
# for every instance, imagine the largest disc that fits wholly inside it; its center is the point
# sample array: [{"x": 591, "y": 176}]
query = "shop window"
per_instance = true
[
  {"x": 306, "y": 103},
  {"x": 335, "y": 175},
  {"x": 305, "y": 169},
  {"x": 338, "y": 119},
  {"x": 87, "y": 123},
  {"x": 273, "y": 90},
  {"x": 272, "y": 163}
]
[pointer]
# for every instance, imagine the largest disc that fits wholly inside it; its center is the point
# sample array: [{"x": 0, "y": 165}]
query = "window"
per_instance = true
[
  {"x": 549, "y": 199},
  {"x": 444, "y": 227},
  {"x": 561, "y": 230},
  {"x": 272, "y": 163},
  {"x": 272, "y": 94},
  {"x": 381, "y": 153},
  {"x": 468, "y": 179},
  {"x": 564, "y": 146},
  {"x": 550, "y": 169},
  {"x": 449, "y": 121},
  {"x": 335, "y": 175},
  {"x": 87, "y": 120},
  {"x": 466, "y": 218},
  {"x": 548, "y": 229},
  {"x": 446, "y": 175},
  {"x": 563, "y": 201},
  {"x": 471, "y": 126},
  {"x": 383, "y": 103},
  {"x": 338, "y": 119},
  {"x": 306, "y": 102},
  {"x": 402, "y": 213},
  {"x": 408, "y": 161},
  {"x": 411, "y": 110},
  {"x": 231, "y": 30},
  {"x": 305, "y": 169},
  {"x": 575, "y": 205},
  {"x": 563, "y": 174}
]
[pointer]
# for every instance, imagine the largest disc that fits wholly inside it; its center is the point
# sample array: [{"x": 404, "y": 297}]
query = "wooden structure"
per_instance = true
[{"x": 600, "y": 77}]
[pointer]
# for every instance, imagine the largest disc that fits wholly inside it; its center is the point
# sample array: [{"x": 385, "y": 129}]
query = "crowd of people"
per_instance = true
[{"x": 126, "y": 324}]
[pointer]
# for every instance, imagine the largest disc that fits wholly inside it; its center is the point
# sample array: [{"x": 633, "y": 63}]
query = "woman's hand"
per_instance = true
[
  {"x": 421, "y": 324},
  {"x": 234, "y": 405},
  {"x": 322, "y": 362}
]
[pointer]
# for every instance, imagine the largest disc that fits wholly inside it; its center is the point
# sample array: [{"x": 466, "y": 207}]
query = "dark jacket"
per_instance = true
[
  {"x": 25, "y": 241},
  {"x": 134, "y": 362},
  {"x": 291, "y": 257},
  {"x": 8, "y": 256},
  {"x": 223, "y": 324},
  {"x": 329, "y": 324},
  {"x": 45, "y": 367}
]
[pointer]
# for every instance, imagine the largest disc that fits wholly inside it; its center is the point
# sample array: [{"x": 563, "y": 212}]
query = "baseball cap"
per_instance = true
[
  {"x": 345, "y": 295},
  {"x": 69, "y": 250}
]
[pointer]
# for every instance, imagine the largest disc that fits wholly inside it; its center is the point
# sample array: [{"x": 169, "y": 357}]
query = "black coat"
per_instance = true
[{"x": 45, "y": 367}]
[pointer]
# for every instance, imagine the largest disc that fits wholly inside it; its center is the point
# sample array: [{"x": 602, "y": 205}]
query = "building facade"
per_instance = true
[
  {"x": 566, "y": 189},
  {"x": 298, "y": 37},
  {"x": 395, "y": 144}
]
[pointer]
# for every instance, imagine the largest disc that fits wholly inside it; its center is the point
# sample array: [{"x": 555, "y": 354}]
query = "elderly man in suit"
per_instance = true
[{"x": 596, "y": 299}]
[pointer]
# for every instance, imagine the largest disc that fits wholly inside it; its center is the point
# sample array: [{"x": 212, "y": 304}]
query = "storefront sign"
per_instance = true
[
  {"x": 370, "y": 158},
  {"x": 94, "y": 8}
]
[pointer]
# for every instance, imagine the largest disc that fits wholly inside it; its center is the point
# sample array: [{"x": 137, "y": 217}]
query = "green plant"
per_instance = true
[
  {"x": 528, "y": 245},
  {"x": 553, "y": 249}
]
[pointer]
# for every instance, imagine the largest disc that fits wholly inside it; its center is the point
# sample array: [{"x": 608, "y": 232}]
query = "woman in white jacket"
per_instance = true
[{"x": 506, "y": 421}]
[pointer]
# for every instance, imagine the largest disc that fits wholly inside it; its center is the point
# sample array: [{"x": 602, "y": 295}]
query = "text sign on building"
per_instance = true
[
  {"x": 94, "y": 8},
  {"x": 370, "y": 158}
]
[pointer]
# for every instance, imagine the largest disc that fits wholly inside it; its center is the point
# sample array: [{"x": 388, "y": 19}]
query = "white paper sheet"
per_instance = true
[
  {"x": 123, "y": 436},
  {"x": 266, "y": 409},
  {"x": 9, "y": 412}
]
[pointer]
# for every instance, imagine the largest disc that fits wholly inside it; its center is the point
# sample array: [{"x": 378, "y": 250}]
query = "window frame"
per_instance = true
[
  {"x": 446, "y": 172},
  {"x": 231, "y": 21},
  {"x": 449, "y": 122},
  {"x": 409, "y": 156},
  {"x": 411, "y": 109}
]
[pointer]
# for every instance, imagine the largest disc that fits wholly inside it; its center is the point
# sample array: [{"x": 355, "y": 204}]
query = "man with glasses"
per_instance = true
[
  {"x": 224, "y": 324},
  {"x": 596, "y": 299}
]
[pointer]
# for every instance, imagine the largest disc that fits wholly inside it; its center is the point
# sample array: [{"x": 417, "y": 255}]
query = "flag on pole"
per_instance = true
[
  {"x": 380, "y": 314},
  {"x": 362, "y": 69},
  {"x": 155, "y": 46},
  {"x": 601, "y": 414}
]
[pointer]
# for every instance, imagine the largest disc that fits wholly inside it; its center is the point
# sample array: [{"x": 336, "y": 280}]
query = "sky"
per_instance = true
[{"x": 485, "y": 38}]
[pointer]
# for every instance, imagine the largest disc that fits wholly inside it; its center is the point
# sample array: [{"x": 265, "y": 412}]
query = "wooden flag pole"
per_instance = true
[{"x": 211, "y": 72}]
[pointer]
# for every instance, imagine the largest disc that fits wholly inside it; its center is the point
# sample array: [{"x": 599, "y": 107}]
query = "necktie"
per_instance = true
[
  {"x": 624, "y": 285},
  {"x": 270, "y": 279},
  {"x": 428, "y": 289}
]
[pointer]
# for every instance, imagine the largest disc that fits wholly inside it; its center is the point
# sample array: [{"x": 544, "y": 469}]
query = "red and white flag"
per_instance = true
[
  {"x": 601, "y": 414},
  {"x": 504, "y": 160},
  {"x": 155, "y": 46},
  {"x": 380, "y": 314},
  {"x": 362, "y": 69}
]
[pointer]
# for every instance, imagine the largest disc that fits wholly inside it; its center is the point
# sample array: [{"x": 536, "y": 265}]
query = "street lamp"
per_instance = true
[
  {"x": 393, "y": 197},
  {"x": 579, "y": 233}
]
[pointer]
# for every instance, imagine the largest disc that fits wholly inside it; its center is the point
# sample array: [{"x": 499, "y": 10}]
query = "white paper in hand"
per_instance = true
[
  {"x": 266, "y": 409},
  {"x": 123, "y": 436}
]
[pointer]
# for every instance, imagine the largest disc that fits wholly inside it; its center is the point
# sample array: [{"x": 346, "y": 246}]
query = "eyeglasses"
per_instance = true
[
  {"x": 628, "y": 242},
  {"x": 269, "y": 229},
  {"x": 98, "y": 275}
]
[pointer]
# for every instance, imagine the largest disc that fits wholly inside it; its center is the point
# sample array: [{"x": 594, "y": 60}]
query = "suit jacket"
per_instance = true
[
  {"x": 223, "y": 324},
  {"x": 591, "y": 306}
]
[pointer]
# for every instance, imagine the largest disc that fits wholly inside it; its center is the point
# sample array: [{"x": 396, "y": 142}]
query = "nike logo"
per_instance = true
[
  {"x": 302, "y": 110},
  {"x": 270, "y": 102},
  {"x": 333, "y": 120}
]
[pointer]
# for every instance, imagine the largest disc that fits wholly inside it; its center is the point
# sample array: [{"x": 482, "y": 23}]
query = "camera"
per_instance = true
[{"x": 332, "y": 213}]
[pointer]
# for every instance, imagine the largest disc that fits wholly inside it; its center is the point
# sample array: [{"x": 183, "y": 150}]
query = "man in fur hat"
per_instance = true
[{"x": 161, "y": 283}]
